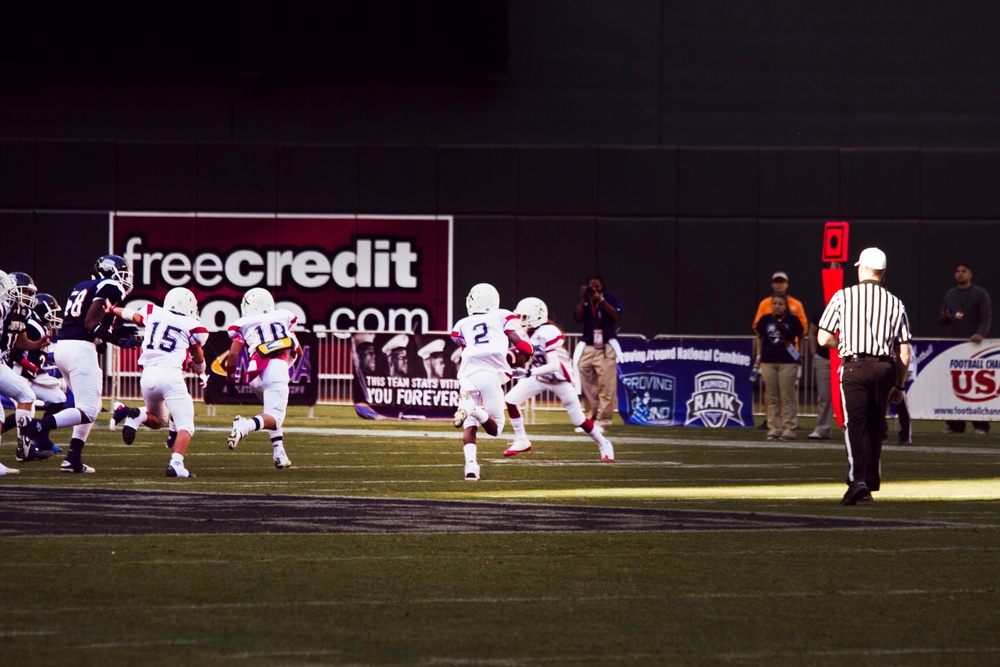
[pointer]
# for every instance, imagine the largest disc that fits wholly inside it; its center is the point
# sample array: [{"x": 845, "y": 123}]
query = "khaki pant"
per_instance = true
[
  {"x": 781, "y": 382},
  {"x": 599, "y": 381}
]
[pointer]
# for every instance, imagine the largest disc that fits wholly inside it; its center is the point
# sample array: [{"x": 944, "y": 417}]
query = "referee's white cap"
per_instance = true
[{"x": 873, "y": 258}]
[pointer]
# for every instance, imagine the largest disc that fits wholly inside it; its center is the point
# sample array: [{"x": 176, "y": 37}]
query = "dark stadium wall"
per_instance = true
[{"x": 684, "y": 150}]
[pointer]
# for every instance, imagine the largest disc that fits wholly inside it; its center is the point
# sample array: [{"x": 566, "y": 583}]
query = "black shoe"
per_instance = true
[
  {"x": 35, "y": 454},
  {"x": 856, "y": 493},
  {"x": 128, "y": 432}
]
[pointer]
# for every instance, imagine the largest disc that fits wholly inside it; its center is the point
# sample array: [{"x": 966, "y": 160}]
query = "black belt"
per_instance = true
[{"x": 868, "y": 357}]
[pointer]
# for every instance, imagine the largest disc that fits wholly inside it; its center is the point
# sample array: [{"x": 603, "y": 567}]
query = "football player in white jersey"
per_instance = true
[
  {"x": 173, "y": 333},
  {"x": 550, "y": 370},
  {"x": 485, "y": 337},
  {"x": 76, "y": 354},
  {"x": 266, "y": 332}
]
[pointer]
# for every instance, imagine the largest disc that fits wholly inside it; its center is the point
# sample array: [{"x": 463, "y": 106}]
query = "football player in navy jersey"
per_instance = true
[
  {"x": 76, "y": 354},
  {"x": 18, "y": 301},
  {"x": 28, "y": 356}
]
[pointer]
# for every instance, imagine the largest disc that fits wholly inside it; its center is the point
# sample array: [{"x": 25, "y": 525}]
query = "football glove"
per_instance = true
[{"x": 520, "y": 373}]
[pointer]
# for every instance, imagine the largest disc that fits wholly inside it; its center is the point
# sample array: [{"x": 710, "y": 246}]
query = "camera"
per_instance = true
[{"x": 591, "y": 289}]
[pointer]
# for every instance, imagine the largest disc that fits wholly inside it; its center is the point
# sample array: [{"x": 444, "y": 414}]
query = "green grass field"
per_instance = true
[{"x": 886, "y": 596}]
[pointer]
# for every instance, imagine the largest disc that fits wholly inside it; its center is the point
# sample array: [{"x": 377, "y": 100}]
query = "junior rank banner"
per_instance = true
[
  {"x": 405, "y": 376},
  {"x": 302, "y": 386},
  {"x": 955, "y": 380},
  {"x": 686, "y": 382}
]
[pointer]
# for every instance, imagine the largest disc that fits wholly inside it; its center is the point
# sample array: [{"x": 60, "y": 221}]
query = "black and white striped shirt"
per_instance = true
[{"x": 868, "y": 319}]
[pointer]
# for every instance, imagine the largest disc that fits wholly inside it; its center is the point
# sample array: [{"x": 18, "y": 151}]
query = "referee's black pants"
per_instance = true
[{"x": 864, "y": 387}]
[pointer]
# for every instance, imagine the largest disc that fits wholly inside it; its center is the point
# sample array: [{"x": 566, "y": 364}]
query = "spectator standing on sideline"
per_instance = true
[
  {"x": 866, "y": 323},
  {"x": 821, "y": 368},
  {"x": 966, "y": 313},
  {"x": 599, "y": 312},
  {"x": 903, "y": 408},
  {"x": 778, "y": 359},
  {"x": 779, "y": 287}
]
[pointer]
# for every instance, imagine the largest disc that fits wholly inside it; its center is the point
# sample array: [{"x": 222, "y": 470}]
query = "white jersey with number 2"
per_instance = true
[{"x": 484, "y": 341}]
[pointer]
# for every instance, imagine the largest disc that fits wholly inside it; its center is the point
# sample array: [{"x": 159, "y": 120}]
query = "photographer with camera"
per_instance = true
[{"x": 599, "y": 312}]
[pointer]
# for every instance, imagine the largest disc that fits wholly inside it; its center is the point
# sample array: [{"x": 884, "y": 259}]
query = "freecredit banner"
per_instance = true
[
  {"x": 404, "y": 376},
  {"x": 343, "y": 273},
  {"x": 686, "y": 382},
  {"x": 955, "y": 380}
]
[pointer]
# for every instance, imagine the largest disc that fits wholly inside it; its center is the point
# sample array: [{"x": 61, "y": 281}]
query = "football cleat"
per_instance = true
[
  {"x": 22, "y": 450},
  {"x": 129, "y": 430},
  {"x": 281, "y": 462},
  {"x": 34, "y": 453},
  {"x": 235, "y": 436},
  {"x": 518, "y": 446},
  {"x": 4, "y": 470},
  {"x": 460, "y": 416},
  {"x": 67, "y": 466},
  {"x": 181, "y": 471},
  {"x": 607, "y": 453},
  {"x": 121, "y": 412},
  {"x": 471, "y": 472}
]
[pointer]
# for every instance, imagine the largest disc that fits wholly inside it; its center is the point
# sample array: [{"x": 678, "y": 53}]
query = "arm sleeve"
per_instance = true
[{"x": 985, "y": 314}]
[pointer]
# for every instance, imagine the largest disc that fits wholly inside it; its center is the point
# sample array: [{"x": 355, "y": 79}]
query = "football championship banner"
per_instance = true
[
  {"x": 405, "y": 376},
  {"x": 686, "y": 382},
  {"x": 955, "y": 380},
  {"x": 343, "y": 273}
]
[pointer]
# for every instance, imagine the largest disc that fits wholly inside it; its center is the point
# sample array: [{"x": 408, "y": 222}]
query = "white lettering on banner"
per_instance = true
[
  {"x": 371, "y": 264},
  {"x": 687, "y": 353}
]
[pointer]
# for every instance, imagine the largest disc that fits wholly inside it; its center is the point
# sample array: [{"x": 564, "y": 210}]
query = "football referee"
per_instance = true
[{"x": 865, "y": 322}]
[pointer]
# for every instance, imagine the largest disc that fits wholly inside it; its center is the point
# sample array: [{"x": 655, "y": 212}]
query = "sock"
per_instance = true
[
  {"x": 517, "y": 423},
  {"x": 75, "y": 450},
  {"x": 258, "y": 423},
  {"x": 24, "y": 414},
  {"x": 177, "y": 460},
  {"x": 587, "y": 426},
  {"x": 136, "y": 422},
  {"x": 479, "y": 412},
  {"x": 470, "y": 453},
  {"x": 278, "y": 444}
]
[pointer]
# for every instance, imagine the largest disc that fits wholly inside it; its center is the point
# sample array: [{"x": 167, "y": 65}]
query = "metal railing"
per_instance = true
[{"x": 333, "y": 359}]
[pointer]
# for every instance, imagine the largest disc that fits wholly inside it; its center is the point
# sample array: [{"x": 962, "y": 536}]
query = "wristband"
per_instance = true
[
  {"x": 128, "y": 314},
  {"x": 524, "y": 347}
]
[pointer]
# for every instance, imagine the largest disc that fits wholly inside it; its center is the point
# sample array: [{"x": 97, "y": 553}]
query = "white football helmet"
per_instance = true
[
  {"x": 181, "y": 300},
  {"x": 256, "y": 301},
  {"x": 533, "y": 312},
  {"x": 8, "y": 290},
  {"x": 483, "y": 298}
]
